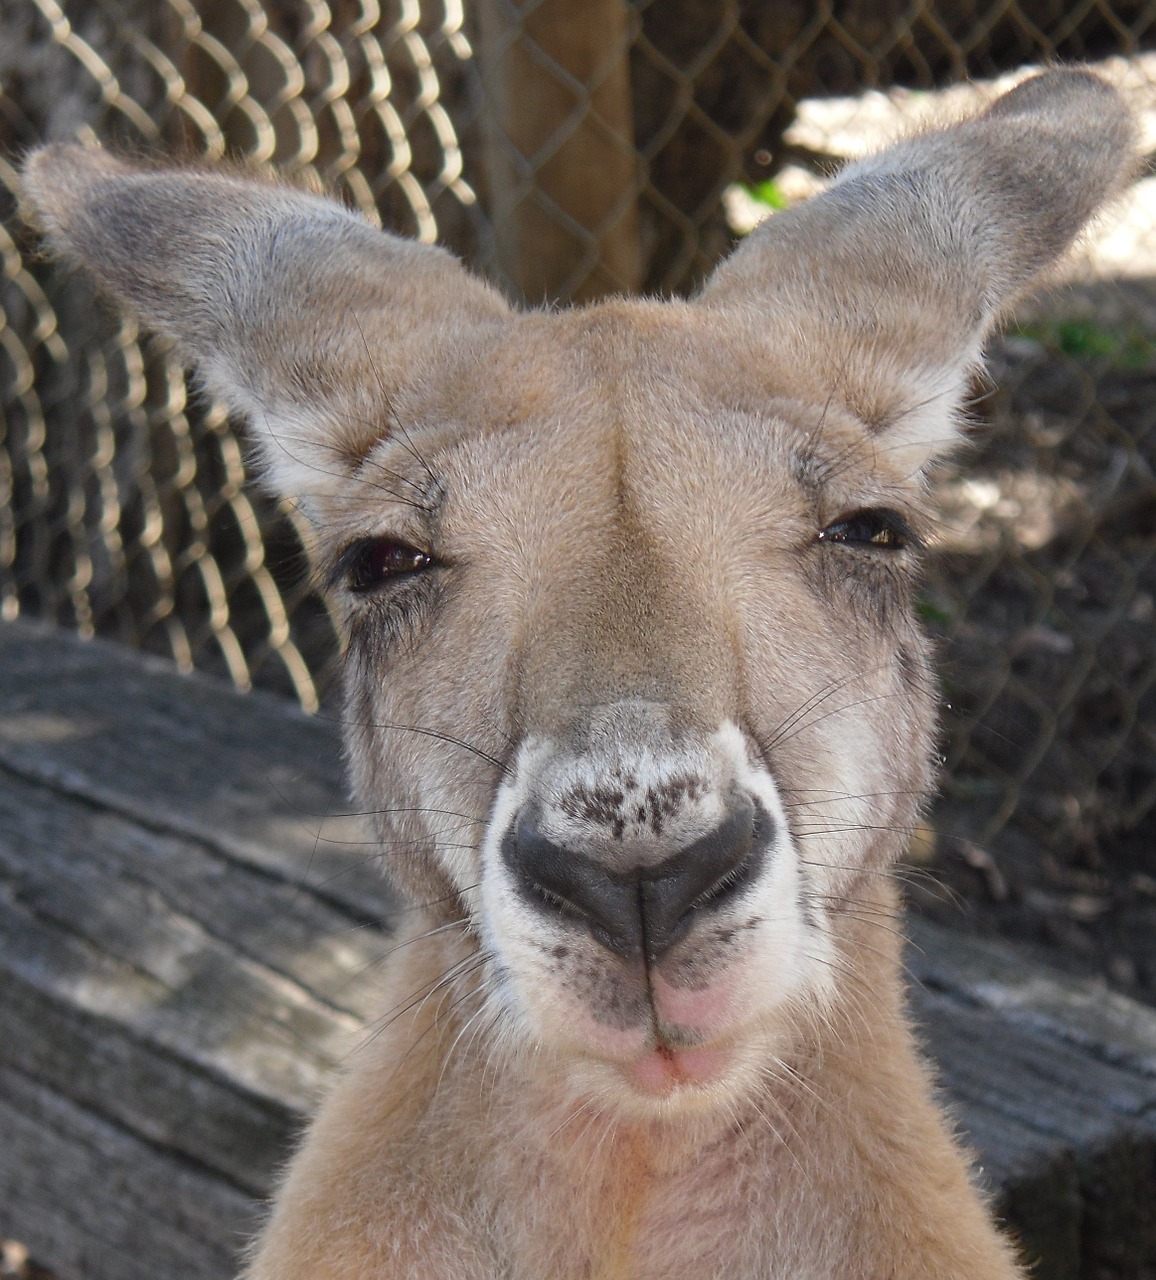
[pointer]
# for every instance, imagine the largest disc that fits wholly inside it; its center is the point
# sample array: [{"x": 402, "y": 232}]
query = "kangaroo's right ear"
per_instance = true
[{"x": 295, "y": 311}]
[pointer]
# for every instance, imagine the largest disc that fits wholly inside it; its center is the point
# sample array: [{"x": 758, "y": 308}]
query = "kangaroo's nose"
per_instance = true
[{"x": 644, "y": 911}]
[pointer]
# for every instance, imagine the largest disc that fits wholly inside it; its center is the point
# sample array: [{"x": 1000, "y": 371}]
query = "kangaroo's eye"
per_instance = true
[
  {"x": 374, "y": 561},
  {"x": 874, "y": 527}
]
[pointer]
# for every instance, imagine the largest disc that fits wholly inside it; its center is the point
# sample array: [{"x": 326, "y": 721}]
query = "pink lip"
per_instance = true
[
  {"x": 662, "y": 1070},
  {"x": 708, "y": 1010}
]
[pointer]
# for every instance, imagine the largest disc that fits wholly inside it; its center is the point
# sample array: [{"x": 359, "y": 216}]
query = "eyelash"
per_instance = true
[
  {"x": 878, "y": 528},
  {"x": 372, "y": 563}
]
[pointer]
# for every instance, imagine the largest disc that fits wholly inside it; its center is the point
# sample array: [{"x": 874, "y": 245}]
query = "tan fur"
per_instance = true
[{"x": 642, "y": 656}]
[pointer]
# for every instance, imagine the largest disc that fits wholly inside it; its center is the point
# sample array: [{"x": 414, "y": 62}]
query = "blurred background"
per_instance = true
[{"x": 566, "y": 150}]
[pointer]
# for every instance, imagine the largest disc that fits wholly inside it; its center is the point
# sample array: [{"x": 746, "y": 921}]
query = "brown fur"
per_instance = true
[{"x": 644, "y": 629}]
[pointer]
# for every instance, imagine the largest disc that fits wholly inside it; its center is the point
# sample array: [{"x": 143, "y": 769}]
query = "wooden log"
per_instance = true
[
  {"x": 993, "y": 975},
  {"x": 561, "y": 167},
  {"x": 254, "y": 779},
  {"x": 1064, "y": 1138},
  {"x": 94, "y": 1201},
  {"x": 1070, "y": 1065},
  {"x": 185, "y": 957}
]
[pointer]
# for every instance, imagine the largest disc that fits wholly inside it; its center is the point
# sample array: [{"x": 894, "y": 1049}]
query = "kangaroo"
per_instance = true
[{"x": 634, "y": 692}]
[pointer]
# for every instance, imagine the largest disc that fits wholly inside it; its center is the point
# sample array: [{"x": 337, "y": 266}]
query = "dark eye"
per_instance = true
[
  {"x": 874, "y": 527},
  {"x": 371, "y": 563}
]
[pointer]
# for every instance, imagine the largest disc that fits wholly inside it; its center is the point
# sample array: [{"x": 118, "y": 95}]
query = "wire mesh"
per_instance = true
[
  {"x": 569, "y": 150},
  {"x": 125, "y": 507}
]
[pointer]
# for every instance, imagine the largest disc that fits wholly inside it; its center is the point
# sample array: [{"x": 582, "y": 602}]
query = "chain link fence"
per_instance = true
[{"x": 568, "y": 150}]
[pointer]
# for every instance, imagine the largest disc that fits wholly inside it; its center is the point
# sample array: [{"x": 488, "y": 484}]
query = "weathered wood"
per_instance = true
[
  {"x": 254, "y": 779},
  {"x": 993, "y": 975},
  {"x": 183, "y": 961},
  {"x": 94, "y": 1201},
  {"x": 174, "y": 898},
  {"x": 1056, "y": 1128},
  {"x": 1054, "y": 1079}
]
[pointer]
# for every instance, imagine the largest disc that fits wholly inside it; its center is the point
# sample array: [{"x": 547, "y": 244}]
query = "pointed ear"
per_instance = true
[
  {"x": 881, "y": 291},
  {"x": 298, "y": 313}
]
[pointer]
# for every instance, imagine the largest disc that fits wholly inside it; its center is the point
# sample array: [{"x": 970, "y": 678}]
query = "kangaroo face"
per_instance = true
[
  {"x": 634, "y": 689},
  {"x": 653, "y": 702}
]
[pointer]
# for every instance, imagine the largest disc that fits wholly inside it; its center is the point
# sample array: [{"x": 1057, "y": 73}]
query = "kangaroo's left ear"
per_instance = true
[
  {"x": 881, "y": 291},
  {"x": 298, "y": 313}
]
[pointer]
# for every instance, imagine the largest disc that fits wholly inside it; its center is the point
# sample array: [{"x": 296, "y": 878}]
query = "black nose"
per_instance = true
[{"x": 644, "y": 911}]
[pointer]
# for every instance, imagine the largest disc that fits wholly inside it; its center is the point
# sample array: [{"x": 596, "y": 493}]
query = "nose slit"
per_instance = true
[
  {"x": 706, "y": 873},
  {"x": 647, "y": 910}
]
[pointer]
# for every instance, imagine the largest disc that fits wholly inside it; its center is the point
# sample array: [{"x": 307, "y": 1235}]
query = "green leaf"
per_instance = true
[{"x": 767, "y": 193}]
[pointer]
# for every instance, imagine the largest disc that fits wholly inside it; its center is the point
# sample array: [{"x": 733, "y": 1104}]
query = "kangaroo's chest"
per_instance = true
[{"x": 621, "y": 1216}]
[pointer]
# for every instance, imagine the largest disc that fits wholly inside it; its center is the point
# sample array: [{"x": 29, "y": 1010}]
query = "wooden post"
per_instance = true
[{"x": 560, "y": 160}]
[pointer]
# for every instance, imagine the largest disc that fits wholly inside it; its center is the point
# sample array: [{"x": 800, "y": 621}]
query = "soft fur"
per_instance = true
[{"x": 673, "y": 547}]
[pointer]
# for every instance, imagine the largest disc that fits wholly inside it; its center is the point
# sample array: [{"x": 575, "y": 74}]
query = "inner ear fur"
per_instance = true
[
  {"x": 298, "y": 313},
  {"x": 881, "y": 291}
]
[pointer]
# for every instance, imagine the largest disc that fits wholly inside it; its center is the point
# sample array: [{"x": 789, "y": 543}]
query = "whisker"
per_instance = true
[
  {"x": 787, "y": 728},
  {"x": 439, "y": 735}
]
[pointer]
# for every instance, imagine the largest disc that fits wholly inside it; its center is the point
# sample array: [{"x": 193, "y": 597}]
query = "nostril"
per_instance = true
[
  {"x": 708, "y": 873},
  {"x": 649, "y": 908},
  {"x": 562, "y": 881}
]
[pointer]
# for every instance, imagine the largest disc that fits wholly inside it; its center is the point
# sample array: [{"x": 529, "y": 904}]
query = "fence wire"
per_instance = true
[{"x": 569, "y": 150}]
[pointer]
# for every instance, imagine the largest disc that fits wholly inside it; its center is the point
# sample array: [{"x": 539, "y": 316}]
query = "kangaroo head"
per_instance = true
[{"x": 634, "y": 687}]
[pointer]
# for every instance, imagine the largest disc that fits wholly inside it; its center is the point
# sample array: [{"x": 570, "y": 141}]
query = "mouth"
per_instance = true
[
  {"x": 655, "y": 962},
  {"x": 662, "y": 1070},
  {"x": 656, "y": 1066}
]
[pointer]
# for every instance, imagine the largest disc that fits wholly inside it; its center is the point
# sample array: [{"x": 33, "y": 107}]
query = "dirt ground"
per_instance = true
[
  {"x": 1088, "y": 913},
  {"x": 1042, "y": 592}
]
